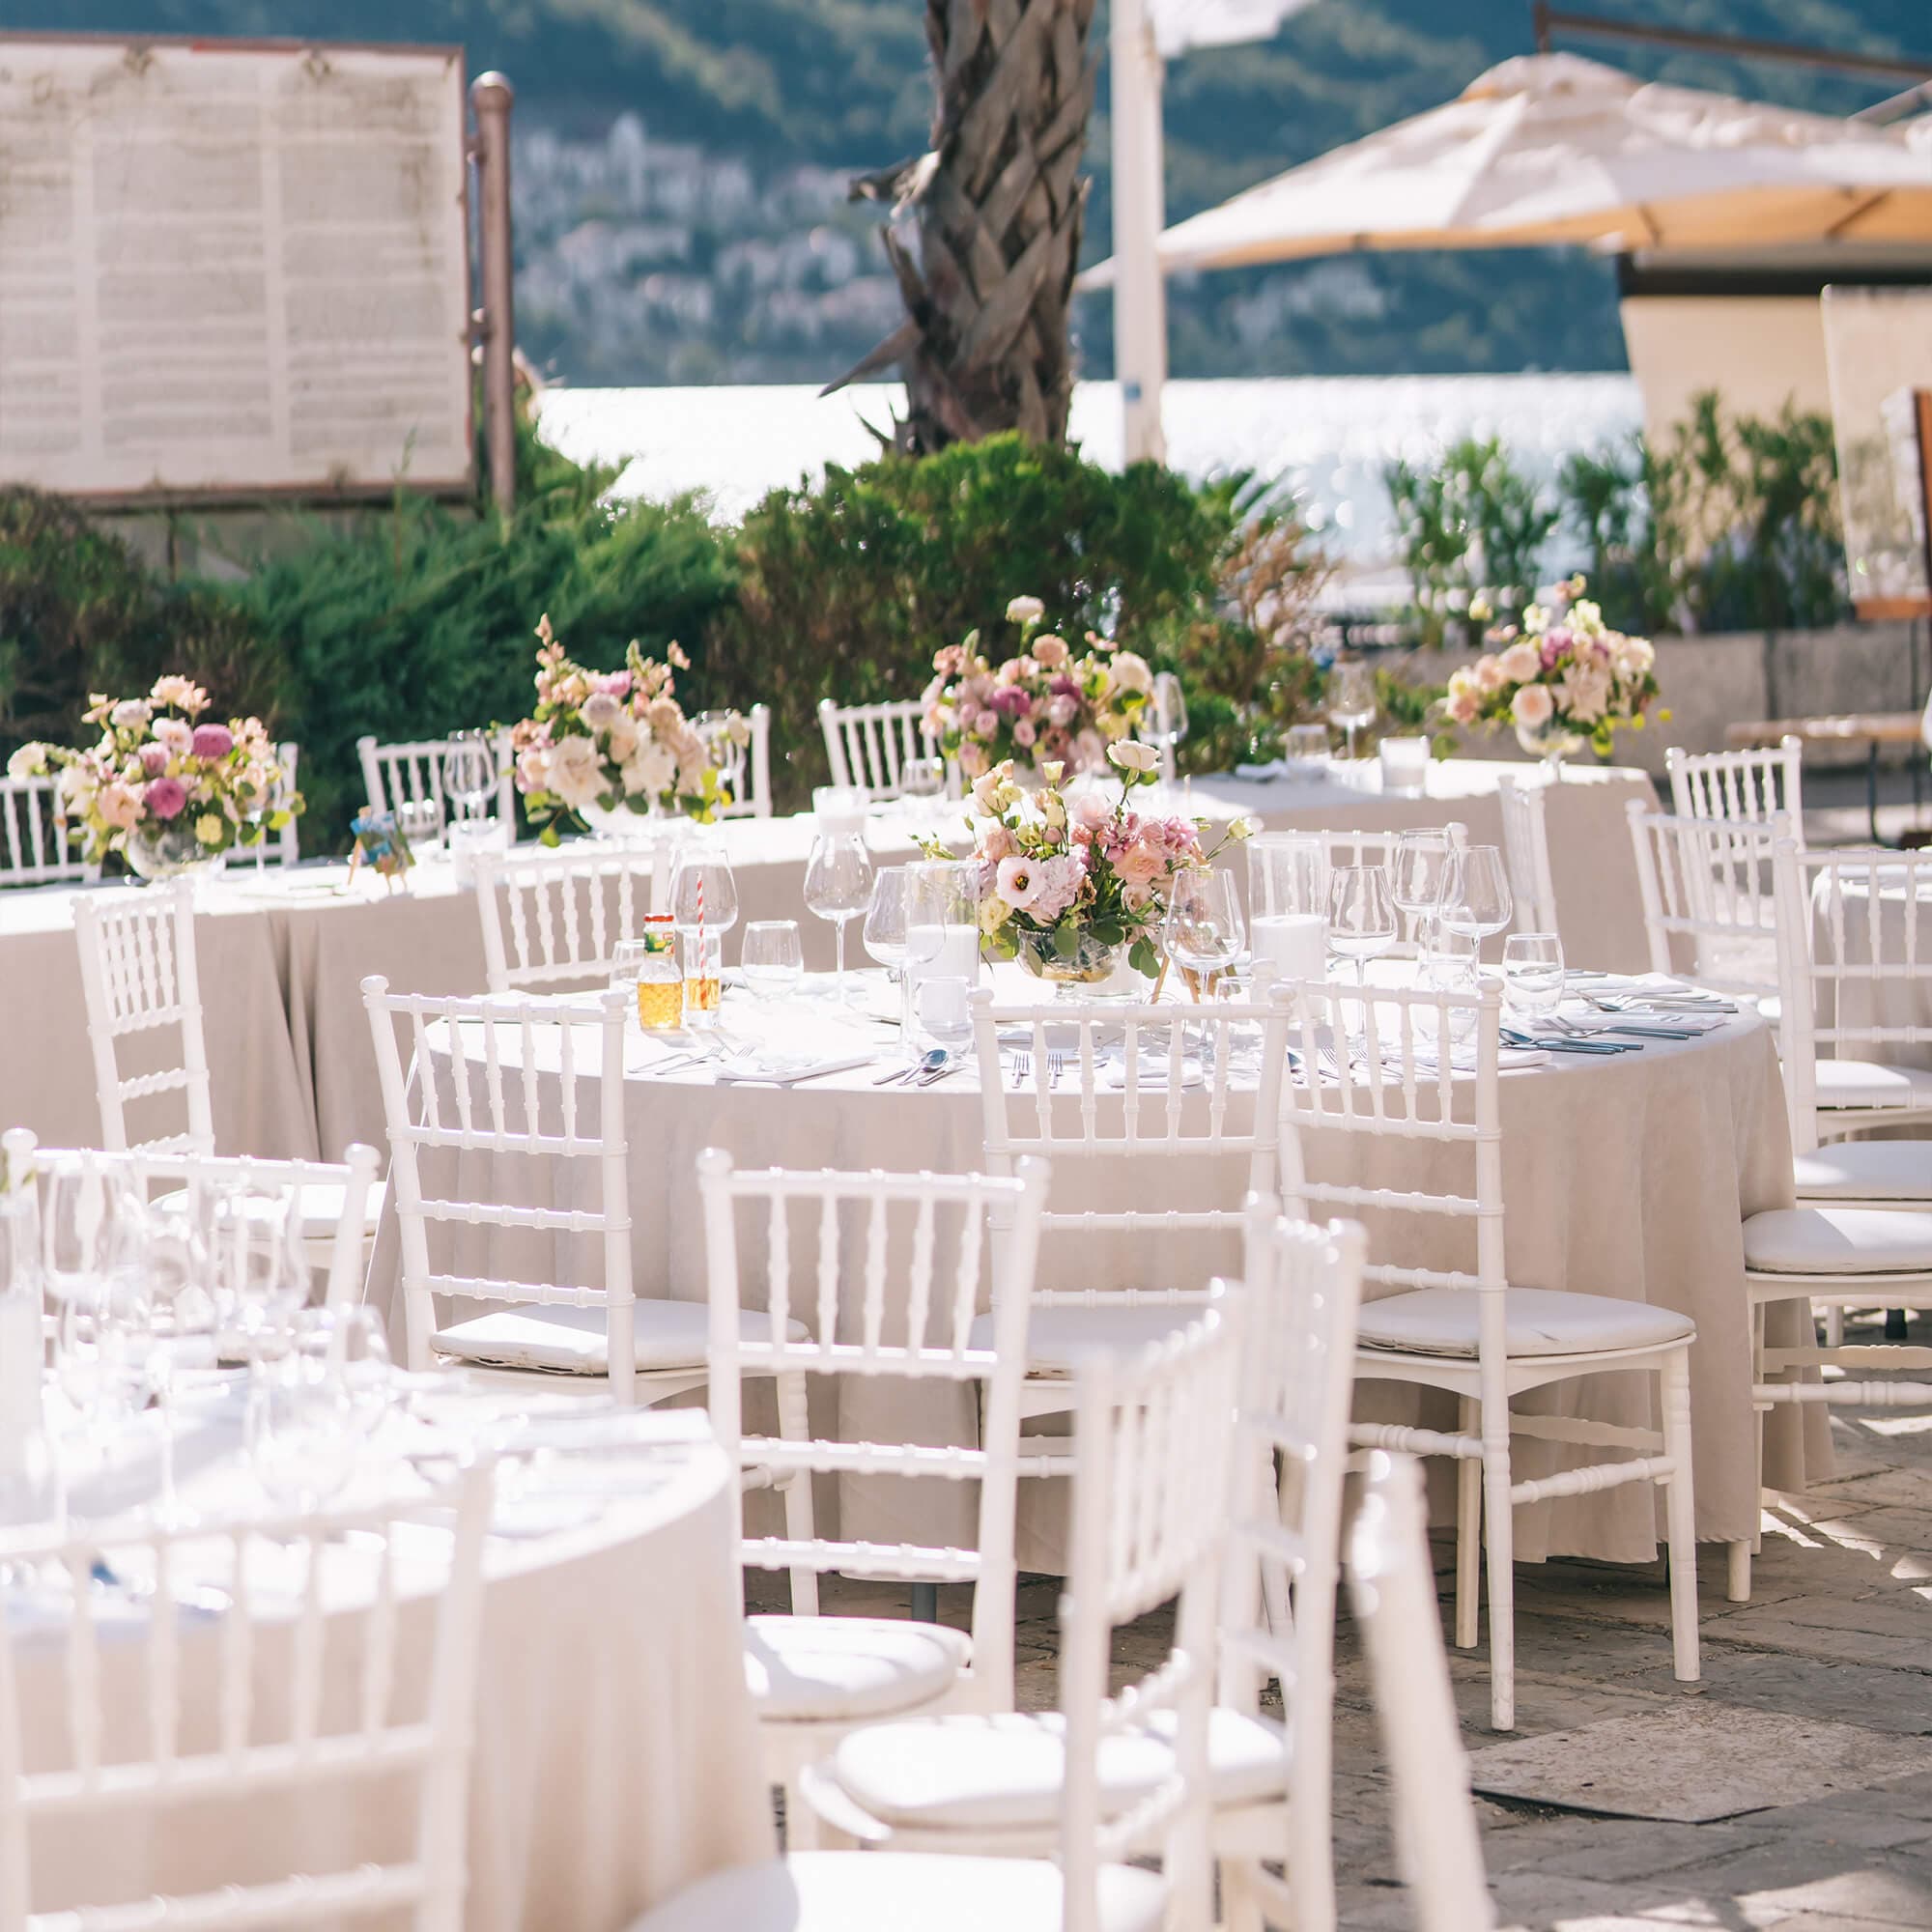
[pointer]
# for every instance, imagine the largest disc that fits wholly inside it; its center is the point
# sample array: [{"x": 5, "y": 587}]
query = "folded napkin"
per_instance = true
[
  {"x": 1154, "y": 1074},
  {"x": 771, "y": 1068}
]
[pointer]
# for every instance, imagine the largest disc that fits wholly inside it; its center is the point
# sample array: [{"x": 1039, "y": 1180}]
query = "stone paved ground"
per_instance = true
[{"x": 1839, "y": 1628}]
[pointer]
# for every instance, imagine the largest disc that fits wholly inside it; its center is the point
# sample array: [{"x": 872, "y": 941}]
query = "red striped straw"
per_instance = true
[{"x": 701, "y": 921}]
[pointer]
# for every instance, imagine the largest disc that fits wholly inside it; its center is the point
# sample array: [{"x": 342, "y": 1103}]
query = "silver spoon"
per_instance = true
[{"x": 927, "y": 1064}]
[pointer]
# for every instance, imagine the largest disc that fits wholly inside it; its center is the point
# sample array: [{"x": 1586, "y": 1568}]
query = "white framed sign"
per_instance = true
[{"x": 232, "y": 269}]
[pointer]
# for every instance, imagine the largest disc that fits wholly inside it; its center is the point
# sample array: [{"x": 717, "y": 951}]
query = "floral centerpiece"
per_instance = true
[
  {"x": 1068, "y": 884},
  {"x": 1046, "y": 706},
  {"x": 603, "y": 747},
  {"x": 163, "y": 786},
  {"x": 1564, "y": 680}
]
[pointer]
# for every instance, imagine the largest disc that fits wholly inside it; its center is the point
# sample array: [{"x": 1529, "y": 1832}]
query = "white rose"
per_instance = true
[
  {"x": 1532, "y": 706},
  {"x": 1132, "y": 672},
  {"x": 575, "y": 773},
  {"x": 1132, "y": 756},
  {"x": 622, "y": 739},
  {"x": 130, "y": 713},
  {"x": 1025, "y": 610},
  {"x": 651, "y": 771},
  {"x": 28, "y": 762},
  {"x": 600, "y": 710}
]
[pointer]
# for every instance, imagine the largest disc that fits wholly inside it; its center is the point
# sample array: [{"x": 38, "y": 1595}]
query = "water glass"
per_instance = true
[
  {"x": 309, "y": 1412},
  {"x": 469, "y": 772},
  {"x": 1305, "y": 747},
  {"x": 258, "y": 1266},
  {"x": 627, "y": 962},
  {"x": 1451, "y": 958},
  {"x": 922, "y": 784},
  {"x": 946, "y": 1011},
  {"x": 772, "y": 957},
  {"x": 1418, "y": 871},
  {"x": 1533, "y": 975}
]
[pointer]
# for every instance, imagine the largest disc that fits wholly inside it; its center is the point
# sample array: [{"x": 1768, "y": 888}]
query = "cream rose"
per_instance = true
[
  {"x": 1521, "y": 662},
  {"x": 1025, "y": 610},
  {"x": 1132, "y": 672},
  {"x": 575, "y": 773},
  {"x": 1131, "y": 757},
  {"x": 1533, "y": 707}
]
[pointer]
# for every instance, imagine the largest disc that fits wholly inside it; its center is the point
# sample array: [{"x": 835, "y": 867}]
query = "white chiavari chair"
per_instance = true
[
  {"x": 1526, "y": 856},
  {"x": 1373, "y": 1065},
  {"x": 815, "y": 1677},
  {"x": 329, "y": 1199},
  {"x": 1392, "y": 1583},
  {"x": 138, "y": 976},
  {"x": 39, "y": 850},
  {"x": 1268, "y": 1778},
  {"x": 1138, "y": 1102},
  {"x": 868, "y": 746},
  {"x": 553, "y": 919},
  {"x": 170, "y": 1714},
  {"x": 412, "y": 770},
  {"x": 746, "y": 768},
  {"x": 521, "y": 1097},
  {"x": 1150, "y": 1515},
  {"x": 1347, "y": 847},
  {"x": 1751, "y": 787},
  {"x": 1709, "y": 903}
]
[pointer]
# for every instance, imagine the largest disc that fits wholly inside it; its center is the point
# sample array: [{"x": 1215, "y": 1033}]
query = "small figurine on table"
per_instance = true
[{"x": 381, "y": 845}]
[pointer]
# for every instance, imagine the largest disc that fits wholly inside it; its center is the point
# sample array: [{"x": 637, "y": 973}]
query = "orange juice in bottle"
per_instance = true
[{"x": 660, "y": 984}]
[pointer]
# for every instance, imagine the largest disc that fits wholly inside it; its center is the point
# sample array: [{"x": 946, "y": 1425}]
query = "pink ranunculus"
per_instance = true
[
  {"x": 996, "y": 842},
  {"x": 211, "y": 741},
  {"x": 1532, "y": 706},
  {"x": 120, "y": 806},
  {"x": 154, "y": 759},
  {"x": 1024, "y": 735},
  {"x": 167, "y": 797},
  {"x": 1090, "y": 810},
  {"x": 1140, "y": 865}
]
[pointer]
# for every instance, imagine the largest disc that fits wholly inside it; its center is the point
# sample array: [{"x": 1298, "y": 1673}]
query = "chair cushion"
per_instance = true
[
  {"x": 805, "y": 1668},
  {"x": 1061, "y": 1335},
  {"x": 320, "y": 1207},
  {"x": 1838, "y": 1240},
  {"x": 1866, "y": 1171},
  {"x": 1871, "y": 1083},
  {"x": 1536, "y": 1321},
  {"x": 571, "y": 1340},
  {"x": 974, "y": 1773},
  {"x": 901, "y": 1891}
]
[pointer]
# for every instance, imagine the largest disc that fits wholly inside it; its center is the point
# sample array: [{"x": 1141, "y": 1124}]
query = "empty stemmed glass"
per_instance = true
[
  {"x": 1352, "y": 699},
  {"x": 885, "y": 935},
  {"x": 1361, "y": 916},
  {"x": 1206, "y": 933},
  {"x": 315, "y": 1404},
  {"x": 1475, "y": 893},
  {"x": 469, "y": 772},
  {"x": 1170, "y": 718},
  {"x": 1418, "y": 871}
]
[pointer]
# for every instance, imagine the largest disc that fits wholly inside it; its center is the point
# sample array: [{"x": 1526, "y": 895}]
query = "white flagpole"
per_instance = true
[{"x": 1140, "y": 202}]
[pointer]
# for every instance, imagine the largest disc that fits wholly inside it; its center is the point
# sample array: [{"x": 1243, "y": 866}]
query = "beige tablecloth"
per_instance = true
[
  {"x": 1888, "y": 997},
  {"x": 615, "y": 1756},
  {"x": 1626, "y": 1177}
]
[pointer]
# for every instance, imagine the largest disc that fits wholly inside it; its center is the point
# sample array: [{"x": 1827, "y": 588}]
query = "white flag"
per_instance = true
[{"x": 1180, "y": 24}]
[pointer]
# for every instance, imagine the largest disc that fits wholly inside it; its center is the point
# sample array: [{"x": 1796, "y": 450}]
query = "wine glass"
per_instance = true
[
  {"x": 839, "y": 884},
  {"x": 772, "y": 957},
  {"x": 168, "y": 1242},
  {"x": 1305, "y": 749},
  {"x": 1170, "y": 718},
  {"x": 310, "y": 1408},
  {"x": 1206, "y": 933},
  {"x": 703, "y": 892},
  {"x": 257, "y": 1267},
  {"x": 885, "y": 935},
  {"x": 1475, "y": 893},
  {"x": 1361, "y": 915},
  {"x": 1533, "y": 975},
  {"x": 469, "y": 772},
  {"x": 1418, "y": 868},
  {"x": 1352, "y": 699}
]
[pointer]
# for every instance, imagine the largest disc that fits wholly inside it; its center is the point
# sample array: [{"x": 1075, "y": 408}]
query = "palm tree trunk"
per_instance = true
[{"x": 998, "y": 203}]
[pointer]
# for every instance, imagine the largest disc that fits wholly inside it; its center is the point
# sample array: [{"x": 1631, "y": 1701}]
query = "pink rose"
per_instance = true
[
  {"x": 120, "y": 806},
  {"x": 211, "y": 741},
  {"x": 1062, "y": 710},
  {"x": 167, "y": 797},
  {"x": 1091, "y": 811},
  {"x": 972, "y": 761},
  {"x": 1049, "y": 651},
  {"x": 996, "y": 842},
  {"x": 1024, "y": 735},
  {"x": 1532, "y": 706}
]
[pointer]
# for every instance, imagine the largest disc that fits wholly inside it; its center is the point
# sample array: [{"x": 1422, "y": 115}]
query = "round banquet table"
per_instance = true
[
  {"x": 615, "y": 1755},
  {"x": 283, "y": 952},
  {"x": 1892, "y": 997},
  {"x": 1626, "y": 1176}
]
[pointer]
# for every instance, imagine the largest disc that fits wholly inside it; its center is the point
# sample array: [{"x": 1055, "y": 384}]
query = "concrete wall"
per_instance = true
[{"x": 1711, "y": 683}]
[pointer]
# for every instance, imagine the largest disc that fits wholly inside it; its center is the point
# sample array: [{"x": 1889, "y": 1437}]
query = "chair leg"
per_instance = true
[
  {"x": 1468, "y": 1531},
  {"x": 1681, "y": 1516},
  {"x": 1835, "y": 1326},
  {"x": 1499, "y": 1533},
  {"x": 1240, "y": 1908},
  {"x": 793, "y": 1426},
  {"x": 1736, "y": 1571}
]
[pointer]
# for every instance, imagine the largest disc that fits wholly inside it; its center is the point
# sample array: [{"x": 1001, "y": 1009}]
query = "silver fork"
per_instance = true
[
  {"x": 1055, "y": 1062},
  {"x": 1022, "y": 1067}
]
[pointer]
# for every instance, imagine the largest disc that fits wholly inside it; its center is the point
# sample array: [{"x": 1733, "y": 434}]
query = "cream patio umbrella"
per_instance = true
[{"x": 1551, "y": 147}]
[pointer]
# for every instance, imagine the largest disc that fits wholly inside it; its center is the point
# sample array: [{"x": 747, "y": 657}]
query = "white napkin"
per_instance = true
[{"x": 771, "y": 1068}]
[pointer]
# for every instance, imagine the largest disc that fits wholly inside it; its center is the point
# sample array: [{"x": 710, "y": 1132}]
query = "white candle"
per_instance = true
[
  {"x": 1406, "y": 766},
  {"x": 940, "y": 952},
  {"x": 1295, "y": 944}
]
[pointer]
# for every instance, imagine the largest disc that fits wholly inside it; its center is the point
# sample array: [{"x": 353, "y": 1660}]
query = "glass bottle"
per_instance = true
[{"x": 659, "y": 981}]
